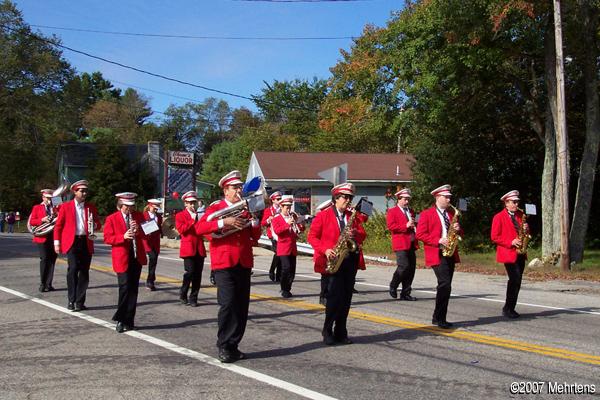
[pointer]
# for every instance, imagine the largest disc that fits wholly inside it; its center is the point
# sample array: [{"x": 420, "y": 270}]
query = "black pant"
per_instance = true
[
  {"x": 405, "y": 272},
  {"x": 515, "y": 276},
  {"x": 152, "y": 260},
  {"x": 47, "y": 261},
  {"x": 275, "y": 268},
  {"x": 233, "y": 295},
  {"x": 78, "y": 271},
  {"x": 324, "y": 284},
  {"x": 193, "y": 275},
  {"x": 444, "y": 273},
  {"x": 339, "y": 298},
  {"x": 128, "y": 292},
  {"x": 288, "y": 272}
]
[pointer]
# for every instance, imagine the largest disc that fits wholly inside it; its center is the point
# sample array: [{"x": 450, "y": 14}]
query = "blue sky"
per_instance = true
[{"x": 238, "y": 66}]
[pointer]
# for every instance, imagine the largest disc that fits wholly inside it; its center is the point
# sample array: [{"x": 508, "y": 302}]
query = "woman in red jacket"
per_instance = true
[
  {"x": 287, "y": 229},
  {"x": 152, "y": 241},
  {"x": 323, "y": 236},
  {"x": 122, "y": 231},
  {"x": 505, "y": 233}
]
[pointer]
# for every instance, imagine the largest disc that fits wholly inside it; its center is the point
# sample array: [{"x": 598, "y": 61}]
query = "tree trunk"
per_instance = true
[
  {"x": 589, "y": 158},
  {"x": 549, "y": 172}
]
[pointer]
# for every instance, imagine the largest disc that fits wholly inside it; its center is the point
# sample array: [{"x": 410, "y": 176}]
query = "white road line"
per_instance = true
[{"x": 204, "y": 358}]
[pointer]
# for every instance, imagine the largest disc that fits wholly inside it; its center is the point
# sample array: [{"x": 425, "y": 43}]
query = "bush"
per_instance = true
[{"x": 378, "y": 237}]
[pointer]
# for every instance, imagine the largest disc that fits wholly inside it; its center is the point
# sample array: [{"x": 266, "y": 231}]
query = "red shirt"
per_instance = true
[
  {"x": 114, "y": 229},
  {"x": 191, "y": 237},
  {"x": 403, "y": 238},
  {"x": 231, "y": 250},
  {"x": 429, "y": 231},
  {"x": 152, "y": 241},
  {"x": 286, "y": 243},
  {"x": 66, "y": 225},
  {"x": 503, "y": 233},
  {"x": 324, "y": 233}
]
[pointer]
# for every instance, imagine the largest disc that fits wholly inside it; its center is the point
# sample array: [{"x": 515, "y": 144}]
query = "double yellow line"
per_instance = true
[{"x": 383, "y": 320}]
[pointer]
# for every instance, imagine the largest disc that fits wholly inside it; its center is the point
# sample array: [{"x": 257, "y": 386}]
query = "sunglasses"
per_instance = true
[
  {"x": 82, "y": 190},
  {"x": 347, "y": 196}
]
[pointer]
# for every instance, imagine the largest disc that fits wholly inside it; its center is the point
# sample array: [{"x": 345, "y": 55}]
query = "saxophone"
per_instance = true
[
  {"x": 452, "y": 235},
  {"x": 343, "y": 247},
  {"x": 523, "y": 235}
]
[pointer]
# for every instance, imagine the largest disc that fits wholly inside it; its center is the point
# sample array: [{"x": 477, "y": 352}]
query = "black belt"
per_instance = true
[{"x": 80, "y": 236}]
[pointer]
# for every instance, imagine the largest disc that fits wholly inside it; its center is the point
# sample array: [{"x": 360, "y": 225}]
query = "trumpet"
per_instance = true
[
  {"x": 90, "y": 221},
  {"x": 295, "y": 220}
]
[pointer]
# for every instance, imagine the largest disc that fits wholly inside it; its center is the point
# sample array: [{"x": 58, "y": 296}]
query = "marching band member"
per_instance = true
[
  {"x": 505, "y": 234},
  {"x": 432, "y": 230},
  {"x": 231, "y": 259},
  {"x": 192, "y": 249},
  {"x": 401, "y": 223},
  {"x": 287, "y": 229},
  {"x": 71, "y": 237},
  {"x": 42, "y": 213},
  {"x": 324, "y": 282},
  {"x": 323, "y": 236},
  {"x": 123, "y": 233},
  {"x": 267, "y": 218},
  {"x": 152, "y": 241}
]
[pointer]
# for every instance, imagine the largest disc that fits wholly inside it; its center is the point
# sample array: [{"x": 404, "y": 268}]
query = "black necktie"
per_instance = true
[
  {"x": 446, "y": 220},
  {"x": 342, "y": 222},
  {"x": 48, "y": 210},
  {"x": 406, "y": 212},
  {"x": 196, "y": 218},
  {"x": 514, "y": 221}
]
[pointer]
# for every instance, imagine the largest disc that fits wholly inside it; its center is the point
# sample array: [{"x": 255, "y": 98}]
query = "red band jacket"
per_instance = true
[
  {"x": 286, "y": 243},
  {"x": 191, "y": 237},
  {"x": 114, "y": 229},
  {"x": 503, "y": 233},
  {"x": 269, "y": 212},
  {"x": 403, "y": 238},
  {"x": 324, "y": 233},
  {"x": 231, "y": 250},
  {"x": 35, "y": 219},
  {"x": 429, "y": 231},
  {"x": 66, "y": 225},
  {"x": 152, "y": 241}
]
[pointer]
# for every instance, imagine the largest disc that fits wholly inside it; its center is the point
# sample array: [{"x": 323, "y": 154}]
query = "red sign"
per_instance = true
[{"x": 181, "y": 158}]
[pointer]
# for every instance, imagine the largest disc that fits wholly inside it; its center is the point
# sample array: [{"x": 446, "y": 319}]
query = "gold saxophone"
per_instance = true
[
  {"x": 343, "y": 247},
  {"x": 452, "y": 235},
  {"x": 523, "y": 235}
]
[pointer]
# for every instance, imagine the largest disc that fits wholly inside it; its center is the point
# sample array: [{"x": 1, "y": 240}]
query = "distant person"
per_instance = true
[
  {"x": 2, "y": 221},
  {"x": 401, "y": 223},
  {"x": 267, "y": 218},
  {"x": 43, "y": 213},
  {"x": 152, "y": 241},
  {"x": 505, "y": 234},
  {"x": 10, "y": 220},
  {"x": 76, "y": 219}
]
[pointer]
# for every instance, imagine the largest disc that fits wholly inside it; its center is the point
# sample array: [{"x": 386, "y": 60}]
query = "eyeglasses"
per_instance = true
[
  {"x": 347, "y": 196},
  {"x": 277, "y": 198},
  {"x": 82, "y": 190},
  {"x": 514, "y": 201}
]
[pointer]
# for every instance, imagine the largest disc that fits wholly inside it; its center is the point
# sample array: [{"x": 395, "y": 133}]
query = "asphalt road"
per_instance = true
[{"x": 48, "y": 352}]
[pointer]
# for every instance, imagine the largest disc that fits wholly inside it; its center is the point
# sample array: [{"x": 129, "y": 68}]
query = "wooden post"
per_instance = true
[{"x": 562, "y": 143}]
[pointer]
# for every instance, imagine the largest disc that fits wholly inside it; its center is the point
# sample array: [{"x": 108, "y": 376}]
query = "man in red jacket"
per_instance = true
[
  {"x": 41, "y": 214},
  {"x": 323, "y": 236},
  {"x": 287, "y": 229},
  {"x": 72, "y": 232},
  {"x": 432, "y": 230},
  {"x": 122, "y": 231},
  {"x": 267, "y": 218},
  {"x": 191, "y": 249},
  {"x": 505, "y": 234},
  {"x": 401, "y": 223},
  {"x": 231, "y": 259},
  {"x": 152, "y": 240}
]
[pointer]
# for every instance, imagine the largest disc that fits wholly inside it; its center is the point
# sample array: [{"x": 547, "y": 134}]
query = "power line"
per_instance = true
[{"x": 205, "y": 37}]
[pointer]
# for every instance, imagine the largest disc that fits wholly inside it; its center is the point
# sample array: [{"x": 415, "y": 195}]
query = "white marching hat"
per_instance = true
[
  {"x": 512, "y": 195},
  {"x": 343, "y": 188},
  {"x": 47, "y": 192},
  {"x": 127, "y": 198},
  {"x": 275, "y": 194},
  {"x": 190, "y": 196},
  {"x": 156, "y": 202},
  {"x": 232, "y": 178},
  {"x": 403, "y": 193},
  {"x": 79, "y": 184},
  {"x": 287, "y": 199},
  {"x": 443, "y": 190}
]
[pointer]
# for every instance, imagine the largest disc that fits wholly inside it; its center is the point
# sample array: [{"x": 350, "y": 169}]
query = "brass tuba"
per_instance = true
[
  {"x": 523, "y": 235},
  {"x": 452, "y": 235},
  {"x": 242, "y": 209},
  {"x": 46, "y": 227},
  {"x": 344, "y": 246}
]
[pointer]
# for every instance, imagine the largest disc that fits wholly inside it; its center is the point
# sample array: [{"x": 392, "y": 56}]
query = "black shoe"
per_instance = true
[
  {"x": 120, "y": 327},
  {"x": 238, "y": 355},
  {"x": 225, "y": 356},
  {"x": 442, "y": 324},
  {"x": 511, "y": 314},
  {"x": 79, "y": 307},
  {"x": 129, "y": 327},
  {"x": 286, "y": 294},
  {"x": 184, "y": 301},
  {"x": 42, "y": 289},
  {"x": 344, "y": 340},
  {"x": 394, "y": 293},
  {"x": 71, "y": 306},
  {"x": 329, "y": 340},
  {"x": 407, "y": 297},
  {"x": 212, "y": 279},
  {"x": 193, "y": 304},
  {"x": 151, "y": 287},
  {"x": 354, "y": 290},
  {"x": 50, "y": 288}
]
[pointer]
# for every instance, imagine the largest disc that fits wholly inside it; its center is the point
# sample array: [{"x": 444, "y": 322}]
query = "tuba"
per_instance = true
[
  {"x": 523, "y": 235},
  {"x": 47, "y": 227},
  {"x": 241, "y": 209},
  {"x": 452, "y": 236},
  {"x": 344, "y": 246}
]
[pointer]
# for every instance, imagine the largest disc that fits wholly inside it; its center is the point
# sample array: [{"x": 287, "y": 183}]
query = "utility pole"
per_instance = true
[{"x": 562, "y": 143}]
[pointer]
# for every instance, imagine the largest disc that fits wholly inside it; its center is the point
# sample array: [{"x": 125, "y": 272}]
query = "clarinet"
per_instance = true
[{"x": 133, "y": 241}]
